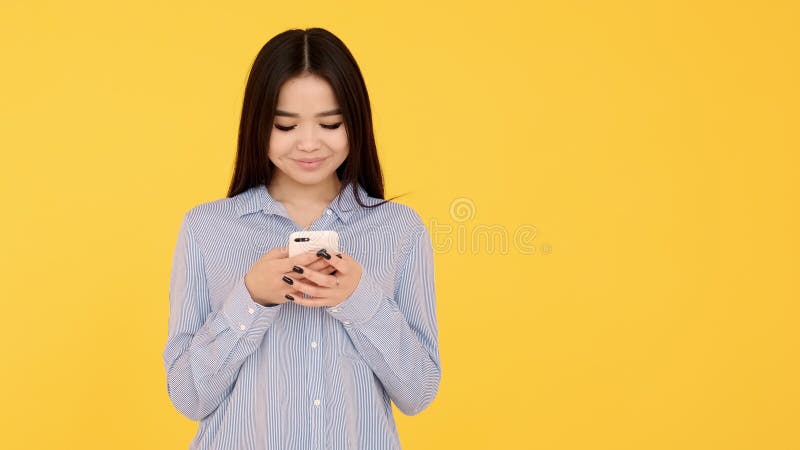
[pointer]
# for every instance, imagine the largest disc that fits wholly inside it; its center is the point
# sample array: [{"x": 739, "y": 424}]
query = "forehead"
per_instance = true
[{"x": 307, "y": 94}]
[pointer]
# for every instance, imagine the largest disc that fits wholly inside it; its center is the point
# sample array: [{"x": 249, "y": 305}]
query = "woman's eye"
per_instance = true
[{"x": 326, "y": 126}]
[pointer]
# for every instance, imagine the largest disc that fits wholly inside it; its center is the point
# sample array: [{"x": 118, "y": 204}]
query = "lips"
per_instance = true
[{"x": 309, "y": 164}]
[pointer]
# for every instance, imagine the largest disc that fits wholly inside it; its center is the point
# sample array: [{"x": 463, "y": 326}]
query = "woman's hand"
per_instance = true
[
  {"x": 265, "y": 281},
  {"x": 323, "y": 288}
]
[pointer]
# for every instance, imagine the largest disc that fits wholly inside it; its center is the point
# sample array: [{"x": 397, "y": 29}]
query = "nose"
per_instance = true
[{"x": 307, "y": 139}]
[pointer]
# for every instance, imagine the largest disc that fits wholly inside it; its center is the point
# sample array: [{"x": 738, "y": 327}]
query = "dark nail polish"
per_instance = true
[
  {"x": 297, "y": 269},
  {"x": 287, "y": 279},
  {"x": 339, "y": 255},
  {"x": 289, "y": 297},
  {"x": 324, "y": 253}
]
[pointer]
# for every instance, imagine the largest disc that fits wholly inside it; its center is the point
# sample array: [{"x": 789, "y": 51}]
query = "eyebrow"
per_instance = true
[{"x": 332, "y": 112}]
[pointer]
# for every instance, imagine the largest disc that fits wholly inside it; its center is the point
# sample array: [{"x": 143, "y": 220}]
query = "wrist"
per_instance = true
[{"x": 253, "y": 297}]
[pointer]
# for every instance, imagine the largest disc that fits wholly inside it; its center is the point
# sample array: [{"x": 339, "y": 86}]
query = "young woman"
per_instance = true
[{"x": 307, "y": 352}]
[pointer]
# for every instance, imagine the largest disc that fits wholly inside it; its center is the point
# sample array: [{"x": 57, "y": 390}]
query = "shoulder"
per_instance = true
[
  {"x": 400, "y": 224},
  {"x": 402, "y": 216},
  {"x": 211, "y": 213}
]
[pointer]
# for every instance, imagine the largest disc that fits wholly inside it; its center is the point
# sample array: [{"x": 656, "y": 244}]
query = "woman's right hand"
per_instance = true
[{"x": 264, "y": 280}]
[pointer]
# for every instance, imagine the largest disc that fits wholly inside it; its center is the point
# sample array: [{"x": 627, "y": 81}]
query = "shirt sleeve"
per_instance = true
[
  {"x": 206, "y": 348},
  {"x": 397, "y": 334}
]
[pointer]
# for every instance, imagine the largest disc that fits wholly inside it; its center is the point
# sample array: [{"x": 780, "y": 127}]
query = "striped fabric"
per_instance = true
[{"x": 293, "y": 377}]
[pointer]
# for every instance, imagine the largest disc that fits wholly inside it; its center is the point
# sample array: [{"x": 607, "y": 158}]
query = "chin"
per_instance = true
[{"x": 309, "y": 178}]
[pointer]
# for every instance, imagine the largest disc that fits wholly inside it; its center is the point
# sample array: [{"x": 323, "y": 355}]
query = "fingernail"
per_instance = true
[
  {"x": 339, "y": 255},
  {"x": 289, "y": 297},
  {"x": 287, "y": 279},
  {"x": 324, "y": 253},
  {"x": 297, "y": 269}
]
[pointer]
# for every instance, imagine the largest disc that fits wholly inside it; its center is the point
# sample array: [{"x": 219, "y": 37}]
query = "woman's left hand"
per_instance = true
[{"x": 326, "y": 290}]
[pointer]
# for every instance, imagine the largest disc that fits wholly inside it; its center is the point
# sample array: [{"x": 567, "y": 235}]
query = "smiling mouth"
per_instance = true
[{"x": 309, "y": 164}]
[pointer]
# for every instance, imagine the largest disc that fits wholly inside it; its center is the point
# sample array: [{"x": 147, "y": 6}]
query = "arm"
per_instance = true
[
  {"x": 205, "y": 349},
  {"x": 397, "y": 335}
]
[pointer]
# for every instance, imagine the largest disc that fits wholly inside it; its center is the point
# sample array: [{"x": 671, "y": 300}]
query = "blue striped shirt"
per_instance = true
[{"x": 294, "y": 377}]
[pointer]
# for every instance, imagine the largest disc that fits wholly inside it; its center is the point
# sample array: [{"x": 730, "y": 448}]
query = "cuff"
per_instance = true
[
  {"x": 362, "y": 304},
  {"x": 243, "y": 314}
]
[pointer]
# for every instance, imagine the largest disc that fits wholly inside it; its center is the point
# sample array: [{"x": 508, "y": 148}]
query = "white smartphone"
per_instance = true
[{"x": 311, "y": 241}]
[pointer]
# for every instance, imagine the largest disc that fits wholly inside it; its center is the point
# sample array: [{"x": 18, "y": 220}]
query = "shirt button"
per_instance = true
[
  {"x": 328, "y": 212},
  {"x": 313, "y": 344},
  {"x": 251, "y": 310},
  {"x": 335, "y": 310},
  {"x": 346, "y": 322},
  {"x": 242, "y": 327},
  {"x": 316, "y": 402}
]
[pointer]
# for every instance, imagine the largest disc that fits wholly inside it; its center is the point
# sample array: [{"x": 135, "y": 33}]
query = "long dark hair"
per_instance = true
[{"x": 287, "y": 55}]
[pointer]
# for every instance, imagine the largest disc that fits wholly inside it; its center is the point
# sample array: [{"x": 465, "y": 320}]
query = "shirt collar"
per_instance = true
[{"x": 257, "y": 198}]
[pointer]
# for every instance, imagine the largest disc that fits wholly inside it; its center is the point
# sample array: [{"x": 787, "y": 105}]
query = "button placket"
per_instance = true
[{"x": 316, "y": 374}]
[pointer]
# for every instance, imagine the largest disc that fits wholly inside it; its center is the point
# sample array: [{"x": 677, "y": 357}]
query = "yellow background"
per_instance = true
[{"x": 652, "y": 145}]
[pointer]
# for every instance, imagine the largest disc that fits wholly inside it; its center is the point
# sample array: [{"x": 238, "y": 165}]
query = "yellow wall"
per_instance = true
[{"x": 652, "y": 148}]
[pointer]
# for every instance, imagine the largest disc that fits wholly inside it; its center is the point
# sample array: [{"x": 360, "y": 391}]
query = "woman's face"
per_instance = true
[{"x": 308, "y": 141}]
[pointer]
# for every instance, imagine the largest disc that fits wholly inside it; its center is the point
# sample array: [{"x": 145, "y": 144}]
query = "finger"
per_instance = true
[
  {"x": 292, "y": 278},
  {"x": 291, "y": 295},
  {"x": 320, "y": 265},
  {"x": 301, "y": 272},
  {"x": 321, "y": 279},
  {"x": 323, "y": 266},
  {"x": 307, "y": 288},
  {"x": 312, "y": 302},
  {"x": 289, "y": 279},
  {"x": 303, "y": 259},
  {"x": 341, "y": 262}
]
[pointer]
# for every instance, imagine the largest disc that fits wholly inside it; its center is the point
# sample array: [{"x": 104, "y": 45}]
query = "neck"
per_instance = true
[{"x": 288, "y": 191}]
